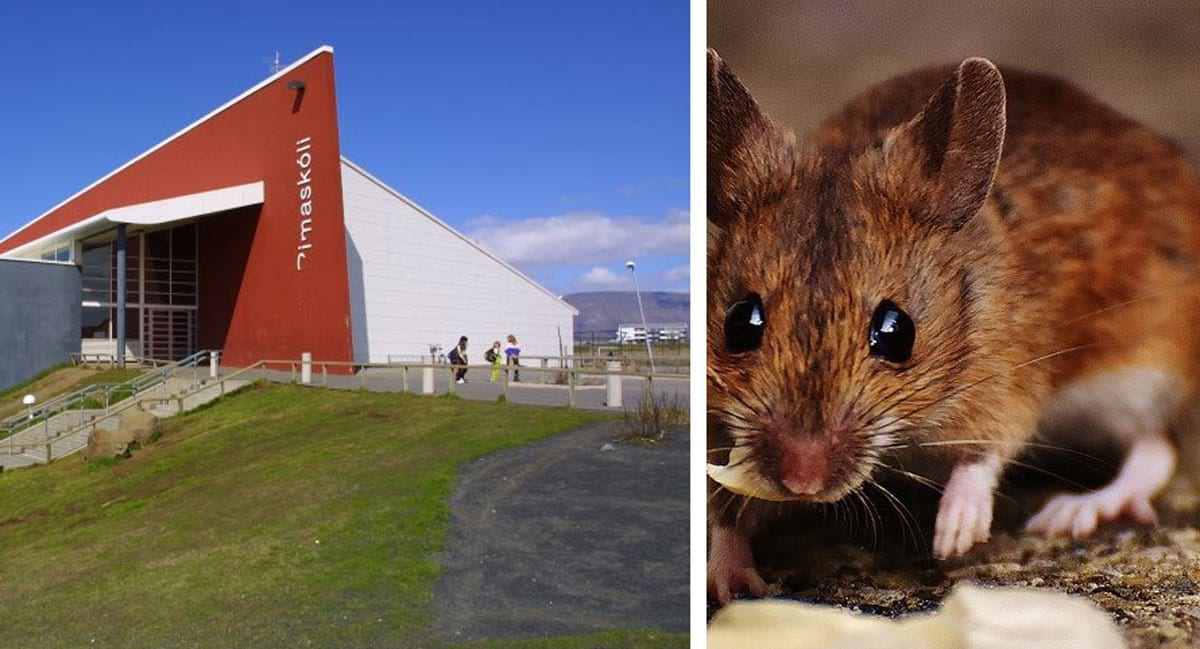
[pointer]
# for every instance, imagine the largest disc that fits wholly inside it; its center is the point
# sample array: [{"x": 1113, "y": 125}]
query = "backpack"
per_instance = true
[
  {"x": 490, "y": 355},
  {"x": 454, "y": 357}
]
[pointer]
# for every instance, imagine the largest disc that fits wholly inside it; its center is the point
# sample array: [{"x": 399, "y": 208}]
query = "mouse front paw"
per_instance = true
[
  {"x": 1078, "y": 515},
  {"x": 731, "y": 567},
  {"x": 726, "y": 581},
  {"x": 965, "y": 511},
  {"x": 961, "y": 523}
]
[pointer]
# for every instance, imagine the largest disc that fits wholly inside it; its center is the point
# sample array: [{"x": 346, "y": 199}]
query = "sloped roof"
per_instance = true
[
  {"x": 471, "y": 242},
  {"x": 265, "y": 82}
]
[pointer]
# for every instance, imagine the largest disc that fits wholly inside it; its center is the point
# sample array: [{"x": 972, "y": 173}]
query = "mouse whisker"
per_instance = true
[
  {"x": 916, "y": 477},
  {"x": 1093, "y": 459},
  {"x": 844, "y": 514},
  {"x": 844, "y": 506},
  {"x": 1028, "y": 465},
  {"x": 719, "y": 492},
  {"x": 907, "y": 518},
  {"x": 889, "y": 401},
  {"x": 1034, "y": 445},
  {"x": 992, "y": 377},
  {"x": 730, "y": 414},
  {"x": 1054, "y": 354},
  {"x": 749, "y": 408},
  {"x": 1049, "y": 474},
  {"x": 884, "y": 400},
  {"x": 878, "y": 422},
  {"x": 1155, "y": 295},
  {"x": 742, "y": 511},
  {"x": 886, "y": 424},
  {"x": 741, "y": 432},
  {"x": 871, "y": 514},
  {"x": 959, "y": 391},
  {"x": 712, "y": 409},
  {"x": 729, "y": 498}
]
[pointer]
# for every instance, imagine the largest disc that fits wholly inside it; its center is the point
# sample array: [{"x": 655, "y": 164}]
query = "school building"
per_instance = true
[{"x": 248, "y": 231}]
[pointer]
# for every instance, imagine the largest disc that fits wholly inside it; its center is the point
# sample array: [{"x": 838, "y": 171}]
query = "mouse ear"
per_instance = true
[
  {"x": 955, "y": 141},
  {"x": 740, "y": 138}
]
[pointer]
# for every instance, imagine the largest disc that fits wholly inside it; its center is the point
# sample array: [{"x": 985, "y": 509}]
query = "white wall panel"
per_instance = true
[{"x": 415, "y": 281}]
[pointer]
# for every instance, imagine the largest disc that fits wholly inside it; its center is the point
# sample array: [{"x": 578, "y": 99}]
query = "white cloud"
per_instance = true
[
  {"x": 601, "y": 279},
  {"x": 678, "y": 274},
  {"x": 582, "y": 238},
  {"x": 485, "y": 220}
]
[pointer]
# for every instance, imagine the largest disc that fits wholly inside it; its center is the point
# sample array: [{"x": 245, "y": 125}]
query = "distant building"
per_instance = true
[
  {"x": 658, "y": 332},
  {"x": 248, "y": 231}
]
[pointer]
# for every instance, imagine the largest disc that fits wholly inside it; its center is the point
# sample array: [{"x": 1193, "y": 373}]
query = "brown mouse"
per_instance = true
[{"x": 960, "y": 259}]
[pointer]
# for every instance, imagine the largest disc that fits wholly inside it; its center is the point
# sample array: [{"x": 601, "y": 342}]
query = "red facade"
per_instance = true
[{"x": 272, "y": 278}]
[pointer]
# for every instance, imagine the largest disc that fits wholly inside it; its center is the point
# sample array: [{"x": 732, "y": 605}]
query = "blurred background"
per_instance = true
[{"x": 803, "y": 59}]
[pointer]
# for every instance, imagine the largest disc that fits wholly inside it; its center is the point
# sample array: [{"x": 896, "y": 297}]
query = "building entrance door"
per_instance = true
[{"x": 168, "y": 334}]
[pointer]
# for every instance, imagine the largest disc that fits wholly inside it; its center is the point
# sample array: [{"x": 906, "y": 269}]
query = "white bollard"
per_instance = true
[
  {"x": 214, "y": 361},
  {"x": 306, "y": 368},
  {"x": 427, "y": 380},
  {"x": 612, "y": 394}
]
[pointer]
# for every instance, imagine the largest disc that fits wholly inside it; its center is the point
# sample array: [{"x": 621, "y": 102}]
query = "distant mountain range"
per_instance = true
[{"x": 602, "y": 311}]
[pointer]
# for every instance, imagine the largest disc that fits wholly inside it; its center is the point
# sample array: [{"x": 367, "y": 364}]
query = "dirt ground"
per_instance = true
[{"x": 1148, "y": 579}]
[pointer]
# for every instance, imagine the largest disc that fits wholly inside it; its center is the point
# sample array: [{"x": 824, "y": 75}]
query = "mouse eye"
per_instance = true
[
  {"x": 744, "y": 324},
  {"x": 892, "y": 333}
]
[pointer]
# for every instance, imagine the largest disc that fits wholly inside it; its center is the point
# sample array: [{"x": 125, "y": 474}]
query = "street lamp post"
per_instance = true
[
  {"x": 645, "y": 331},
  {"x": 28, "y": 402}
]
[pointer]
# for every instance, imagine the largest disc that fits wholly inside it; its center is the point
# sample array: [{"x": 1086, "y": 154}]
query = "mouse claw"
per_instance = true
[
  {"x": 1078, "y": 515},
  {"x": 965, "y": 511},
  {"x": 731, "y": 567},
  {"x": 724, "y": 587},
  {"x": 960, "y": 525}
]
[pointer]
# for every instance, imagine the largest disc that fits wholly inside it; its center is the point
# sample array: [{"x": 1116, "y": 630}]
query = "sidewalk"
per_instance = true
[
  {"x": 530, "y": 390},
  {"x": 567, "y": 536}
]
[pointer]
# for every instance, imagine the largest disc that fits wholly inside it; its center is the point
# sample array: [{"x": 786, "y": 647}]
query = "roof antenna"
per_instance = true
[{"x": 273, "y": 64}]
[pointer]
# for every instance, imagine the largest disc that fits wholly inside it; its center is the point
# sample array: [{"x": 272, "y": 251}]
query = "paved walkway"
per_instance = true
[
  {"x": 590, "y": 395},
  {"x": 568, "y": 536}
]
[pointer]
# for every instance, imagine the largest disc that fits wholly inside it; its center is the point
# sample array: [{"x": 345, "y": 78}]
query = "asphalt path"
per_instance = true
[{"x": 576, "y": 534}]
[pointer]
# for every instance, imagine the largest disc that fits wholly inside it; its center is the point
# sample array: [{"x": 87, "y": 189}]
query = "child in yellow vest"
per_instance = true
[{"x": 496, "y": 358}]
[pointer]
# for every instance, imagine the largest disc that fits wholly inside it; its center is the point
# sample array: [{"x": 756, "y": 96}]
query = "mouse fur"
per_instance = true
[{"x": 1045, "y": 248}]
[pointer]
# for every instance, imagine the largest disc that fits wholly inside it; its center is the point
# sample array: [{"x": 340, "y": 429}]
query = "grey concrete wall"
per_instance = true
[{"x": 39, "y": 318}]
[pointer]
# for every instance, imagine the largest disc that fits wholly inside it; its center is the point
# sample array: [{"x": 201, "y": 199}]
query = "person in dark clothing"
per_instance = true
[{"x": 458, "y": 356}]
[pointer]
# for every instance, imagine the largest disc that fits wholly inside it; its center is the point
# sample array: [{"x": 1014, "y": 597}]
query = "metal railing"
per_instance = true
[
  {"x": 677, "y": 363},
  {"x": 98, "y": 396},
  {"x": 81, "y": 358},
  {"x": 671, "y": 364},
  {"x": 110, "y": 360},
  {"x": 139, "y": 389},
  {"x": 571, "y": 378}
]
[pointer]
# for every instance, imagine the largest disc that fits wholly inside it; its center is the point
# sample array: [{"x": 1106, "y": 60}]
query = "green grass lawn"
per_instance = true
[
  {"x": 58, "y": 381},
  {"x": 280, "y": 516}
]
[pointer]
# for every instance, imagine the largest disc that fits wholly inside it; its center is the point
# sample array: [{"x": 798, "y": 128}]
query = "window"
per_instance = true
[{"x": 62, "y": 253}]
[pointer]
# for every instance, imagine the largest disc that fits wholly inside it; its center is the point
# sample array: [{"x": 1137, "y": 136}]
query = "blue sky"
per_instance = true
[{"x": 555, "y": 133}]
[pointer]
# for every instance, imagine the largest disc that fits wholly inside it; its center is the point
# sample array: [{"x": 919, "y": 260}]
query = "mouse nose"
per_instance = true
[{"x": 804, "y": 466}]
